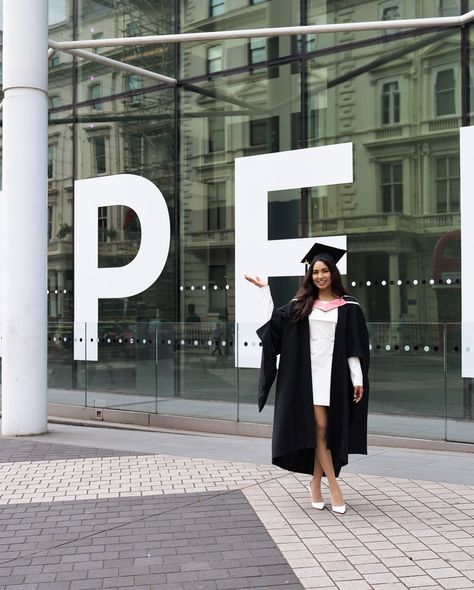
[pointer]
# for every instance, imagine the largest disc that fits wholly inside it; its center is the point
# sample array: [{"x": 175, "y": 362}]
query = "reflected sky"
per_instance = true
[{"x": 57, "y": 11}]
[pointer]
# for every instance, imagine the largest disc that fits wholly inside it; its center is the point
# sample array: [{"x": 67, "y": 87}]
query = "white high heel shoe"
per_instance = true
[
  {"x": 317, "y": 505},
  {"x": 339, "y": 509}
]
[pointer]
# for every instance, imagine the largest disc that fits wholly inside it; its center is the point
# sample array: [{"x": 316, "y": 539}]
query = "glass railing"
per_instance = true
[{"x": 209, "y": 370}]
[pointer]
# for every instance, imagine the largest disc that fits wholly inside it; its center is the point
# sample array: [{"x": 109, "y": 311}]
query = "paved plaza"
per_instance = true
[{"x": 114, "y": 508}]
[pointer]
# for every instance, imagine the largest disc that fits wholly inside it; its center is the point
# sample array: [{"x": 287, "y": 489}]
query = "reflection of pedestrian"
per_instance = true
[
  {"x": 322, "y": 386},
  {"x": 192, "y": 315},
  {"x": 217, "y": 334}
]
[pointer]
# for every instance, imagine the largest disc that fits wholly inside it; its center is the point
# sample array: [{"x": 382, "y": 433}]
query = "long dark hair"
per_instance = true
[{"x": 309, "y": 292}]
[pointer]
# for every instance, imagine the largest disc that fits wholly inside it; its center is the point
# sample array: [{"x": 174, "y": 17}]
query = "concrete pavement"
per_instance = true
[{"x": 88, "y": 507}]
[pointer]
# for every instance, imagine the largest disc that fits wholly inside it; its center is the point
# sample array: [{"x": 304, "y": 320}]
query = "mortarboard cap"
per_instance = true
[{"x": 317, "y": 248}]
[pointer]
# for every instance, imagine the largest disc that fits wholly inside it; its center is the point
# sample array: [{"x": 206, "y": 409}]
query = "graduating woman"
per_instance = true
[{"x": 322, "y": 384}]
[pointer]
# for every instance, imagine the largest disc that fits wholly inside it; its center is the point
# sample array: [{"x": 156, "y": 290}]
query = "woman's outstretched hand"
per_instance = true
[{"x": 257, "y": 281}]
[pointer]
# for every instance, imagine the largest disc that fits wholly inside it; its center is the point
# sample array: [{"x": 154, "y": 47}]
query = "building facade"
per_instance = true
[{"x": 399, "y": 96}]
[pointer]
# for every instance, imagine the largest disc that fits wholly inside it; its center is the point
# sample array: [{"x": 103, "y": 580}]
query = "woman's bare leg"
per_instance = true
[
  {"x": 316, "y": 494},
  {"x": 324, "y": 454}
]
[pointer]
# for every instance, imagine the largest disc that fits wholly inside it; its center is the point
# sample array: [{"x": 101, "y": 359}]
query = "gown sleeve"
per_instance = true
[
  {"x": 267, "y": 302},
  {"x": 357, "y": 342},
  {"x": 355, "y": 370},
  {"x": 270, "y": 335}
]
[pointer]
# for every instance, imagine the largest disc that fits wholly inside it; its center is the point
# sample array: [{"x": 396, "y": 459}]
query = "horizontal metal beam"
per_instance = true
[
  {"x": 113, "y": 63},
  {"x": 414, "y": 23}
]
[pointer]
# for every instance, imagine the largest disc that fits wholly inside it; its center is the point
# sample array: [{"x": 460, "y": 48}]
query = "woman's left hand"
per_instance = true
[{"x": 358, "y": 393}]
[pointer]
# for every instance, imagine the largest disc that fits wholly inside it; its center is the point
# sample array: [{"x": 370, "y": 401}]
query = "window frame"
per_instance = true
[
  {"x": 449, "y": 179},
  {"x": 217, "y": 203},
  {"x": 51, "y": 161},
  {"x": 388, "y": 4},
  {"x": 216, "y": 4},
  {"x": 444, "y": 68},
  {"x": 392, "y": 107},
  {"x": 253, "y": 50},
  {"x": 210, "y": 69},
  {"x": 103, "y": 157},
  {"x": 211, "y": 135},
  {"x": 137, "y": 98},
  {"x": 102, "y": 224},
  {"x": 393, "y": 208},
  {"x": 96, "y": 104}
]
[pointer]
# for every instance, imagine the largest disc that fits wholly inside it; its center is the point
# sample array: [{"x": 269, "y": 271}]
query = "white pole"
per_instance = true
[{"x": 24, "y": 218}]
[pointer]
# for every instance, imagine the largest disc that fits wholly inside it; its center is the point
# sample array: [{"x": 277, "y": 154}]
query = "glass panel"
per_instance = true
[
  {"x": 407, "y": 380},
  {"x": 66, "y": 377},
  {"x": 125, "y": 375},
  {"x": 392, "y": 258},
  {"x": 459, "y": 391},
  {"x": 208, "y": 378}
]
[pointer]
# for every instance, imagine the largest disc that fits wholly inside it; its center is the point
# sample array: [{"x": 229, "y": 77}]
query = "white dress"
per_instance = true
[{"x": 322, "y": 328}]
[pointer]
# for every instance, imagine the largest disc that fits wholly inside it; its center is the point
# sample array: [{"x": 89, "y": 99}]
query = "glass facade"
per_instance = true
[{"x": 399, "y": 96}]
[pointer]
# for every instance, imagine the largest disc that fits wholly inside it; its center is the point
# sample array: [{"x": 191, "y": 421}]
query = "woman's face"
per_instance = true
[{"x": 321, "y": 276}]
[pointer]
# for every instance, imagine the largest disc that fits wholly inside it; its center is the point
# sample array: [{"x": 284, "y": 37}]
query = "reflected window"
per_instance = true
[
  {"x": 95, "y": 36},
  {"x": 216, "y": 206},
  {"x": 265, "y": 132},
  {"x": 257, "y": 50},
  {"x": 55, "y": 60},
  {"x": 214, "y": 59},
  {"x": 54, "y": 101},
  {"x": 390, "y": 103},
  {"x": 445, "y": 88},
  {"x": 216, "y": 134},
  {"x": 134, "y": 84},
  {"x": 95, "y": 93},
  {"x": 99, "y": 155},
  {"x": 102, "y": 224},
  {"x": 390, "y": 11},
  {"x": 297, "y": 43},
  {"x": 217, "y": 291},
  {"x": 94, "y": 7},
  {"x": 50, "y": 222},
  {"x": 50, "y": 162},
  {"x": 392, "y": 187},
  {"x": 216, "y": 7},
  {"x": 135, "y": 152},
  {"x": 447, "y": 184},
  {"x": 449, "y": 8}
]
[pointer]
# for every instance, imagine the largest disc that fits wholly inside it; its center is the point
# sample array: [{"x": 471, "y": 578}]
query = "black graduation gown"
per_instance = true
[{"x": 294, "y": 432}]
